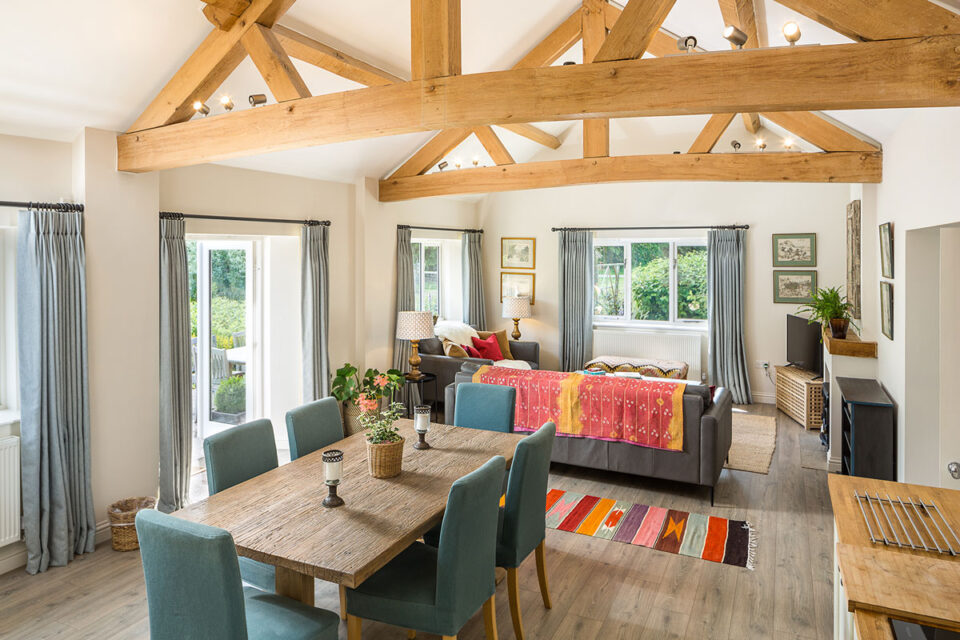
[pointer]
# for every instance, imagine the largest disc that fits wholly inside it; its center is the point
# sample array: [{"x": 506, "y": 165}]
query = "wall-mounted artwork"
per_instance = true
[
  {"x": 794, "y": 287},
  {"x": 886, "y": 249},
  {"x": 518, "y": 284},
  {"x": 886, "y": 308},
  {"x": 794, "y": 249},
  {"x": 518, "y": 253},
  {"x": 853, "y": 258}
]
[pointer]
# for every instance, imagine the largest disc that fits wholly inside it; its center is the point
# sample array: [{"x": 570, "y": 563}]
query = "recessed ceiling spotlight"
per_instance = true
[
  {"x": 734, "y": 35},
  {"x": 201, "y": 108},
  {"x": 791, "y": 31},
  {"x": 687, "y": 43},
  {"x": 736, "y": 145},
  {"x": 226, "y": 102},
  {"x": 257, "y": 99},
  {"x": 761, "y": 143}
]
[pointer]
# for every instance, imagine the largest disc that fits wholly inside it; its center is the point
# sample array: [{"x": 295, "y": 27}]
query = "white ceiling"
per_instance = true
[{"x": 70, "y": 64}]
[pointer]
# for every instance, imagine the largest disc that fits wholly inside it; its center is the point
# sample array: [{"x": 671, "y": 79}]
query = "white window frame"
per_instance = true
[
  {"x": 424, "y": 243},
  {"x": 626, "y": 320},
  {"x": 9, "y": 402}
]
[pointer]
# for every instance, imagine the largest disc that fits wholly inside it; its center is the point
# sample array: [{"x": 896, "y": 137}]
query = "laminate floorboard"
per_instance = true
[{"x": 600, "y": 588}]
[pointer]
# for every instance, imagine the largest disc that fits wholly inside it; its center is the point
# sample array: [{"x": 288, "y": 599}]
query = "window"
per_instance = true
[
  {"x": 8, "y": 324},
  {"x": 650, "y": 281},
  {"x": 426, "y": 276}
]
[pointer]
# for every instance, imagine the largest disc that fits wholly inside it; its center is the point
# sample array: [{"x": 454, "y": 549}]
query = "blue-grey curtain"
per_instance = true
[
  {"x": 176, "y": 424},
  {"x": 405, "y": 298},
  {"x": 474, "y": 312},
  {"x": 315, "y": 310},
  {"x": 58, "y": 515},
  {"x": 726, "y": 270},
  {"x": 576, "y": 299}
]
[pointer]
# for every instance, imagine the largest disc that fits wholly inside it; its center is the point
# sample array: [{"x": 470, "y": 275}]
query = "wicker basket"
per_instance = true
[
  {"x": 351, "y": 415},
  {"x": 385, "y": 460},
  {"x": 123, "y": 532}
]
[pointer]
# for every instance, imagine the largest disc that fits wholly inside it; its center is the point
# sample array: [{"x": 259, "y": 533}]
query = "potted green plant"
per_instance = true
[
  {"x": 349, "y": 386},
  {"x": 831, "y": 308},
  {"x": 384, "y": 442}
]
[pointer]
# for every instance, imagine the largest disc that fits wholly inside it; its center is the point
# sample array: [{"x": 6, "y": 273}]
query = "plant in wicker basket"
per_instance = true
[{"x": 384, "y": 442}]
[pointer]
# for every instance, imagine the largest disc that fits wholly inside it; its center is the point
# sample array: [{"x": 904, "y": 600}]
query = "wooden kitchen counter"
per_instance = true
[{"x": 883, "y": 582}]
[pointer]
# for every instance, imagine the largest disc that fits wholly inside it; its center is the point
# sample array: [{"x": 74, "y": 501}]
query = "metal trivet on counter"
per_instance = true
[{"x": 911, "y": 523}]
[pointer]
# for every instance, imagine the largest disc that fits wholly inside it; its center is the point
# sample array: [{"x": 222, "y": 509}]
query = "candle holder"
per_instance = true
[
  {"x": 332, "y": 471},
  {"x": 421, "y": 424}
]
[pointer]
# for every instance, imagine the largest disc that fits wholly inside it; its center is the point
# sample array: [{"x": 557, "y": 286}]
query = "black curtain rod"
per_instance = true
[
  {"x": 412, "y": 226},
  {"x": 174, "y": 215},
  {"x": 723, "y": 226},
  {"x": 53, "y": 206}
]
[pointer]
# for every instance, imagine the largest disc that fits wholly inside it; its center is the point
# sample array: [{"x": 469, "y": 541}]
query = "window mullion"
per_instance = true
[{"x": 627, "y": 282}]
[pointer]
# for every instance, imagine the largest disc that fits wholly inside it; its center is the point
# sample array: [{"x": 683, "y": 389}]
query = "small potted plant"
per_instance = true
[
  {"x": 831, "y": 308},
  {"x": 384, "y": 442},
  {"x": 348, "y": 387}
]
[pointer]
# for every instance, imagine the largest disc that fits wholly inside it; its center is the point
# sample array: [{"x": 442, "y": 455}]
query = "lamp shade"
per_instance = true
[
  {"x": 517, "y": 307},
  {"x": 414, "y": 325}
]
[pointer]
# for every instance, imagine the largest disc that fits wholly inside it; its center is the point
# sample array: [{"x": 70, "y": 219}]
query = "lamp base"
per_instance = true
[
  {"x": 422, "y": 443},
  {"x": 516, "y": 329},
  {"x": 414, "y": 360},
  {"x": 332, "y": 499}
]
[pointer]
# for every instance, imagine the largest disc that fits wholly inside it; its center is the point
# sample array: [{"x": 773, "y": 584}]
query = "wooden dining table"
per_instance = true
[{"x": 277, "y": 517}]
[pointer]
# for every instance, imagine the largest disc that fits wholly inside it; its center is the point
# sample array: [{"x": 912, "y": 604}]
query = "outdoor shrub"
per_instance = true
[{"x": 231, "y": 395}]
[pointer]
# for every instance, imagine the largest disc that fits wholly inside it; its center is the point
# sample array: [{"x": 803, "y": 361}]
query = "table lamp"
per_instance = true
[
  {"x": 414, "y": 326},
  {"x": 516, "y": 307}
]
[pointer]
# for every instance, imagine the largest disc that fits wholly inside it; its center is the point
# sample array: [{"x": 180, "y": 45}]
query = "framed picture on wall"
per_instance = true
[
  {"x": 518, "y": 253},
  {"x": 794, "y": 287},
  {"x": 518, "y": 284},
  {"x": 886, "y": 249},
  {"x": 886, "y": 308},
  {"x": 794, "y": 249}
]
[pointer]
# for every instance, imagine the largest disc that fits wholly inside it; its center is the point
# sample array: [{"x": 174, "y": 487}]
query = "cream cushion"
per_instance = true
[{"x": 455, "y": 332}]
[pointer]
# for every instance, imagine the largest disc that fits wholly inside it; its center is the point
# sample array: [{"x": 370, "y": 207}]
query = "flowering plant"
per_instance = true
[
  {"x": 381, "y": 423},
  {"x": 348, "y": 386}
]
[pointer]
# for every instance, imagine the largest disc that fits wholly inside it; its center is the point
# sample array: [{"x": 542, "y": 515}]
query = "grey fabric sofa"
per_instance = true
[
  {"x": 707, "y": 434},
  {"x": 446, "y": 367}
]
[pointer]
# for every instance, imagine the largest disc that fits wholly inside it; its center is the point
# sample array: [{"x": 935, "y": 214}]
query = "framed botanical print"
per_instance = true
[
  {"x": 886, "y": 249},
  {"x": 518, "y": 284},
  {"x": 886, "y": 308},
  {"x": 794, "y": 287},
  {"x": 794, "y": 249},
  {"x": 518, "y": 253}
]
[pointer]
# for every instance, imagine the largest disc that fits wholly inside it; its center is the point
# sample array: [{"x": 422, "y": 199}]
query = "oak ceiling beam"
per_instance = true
[
  {"x": 207, "y": 68},
  {"x": 916, "y": 72},
  {"x": 432, "y": 152},
  {"x": 821, "y": 131},
  {"x": 741, "y": 14},
  {"x": 534, "y": 133},
  {"x": 631, "y": 36},
  {"x": 494, "y": 146},
  {"x": 711, "y": 133},
  {"x": 596, "y": 132},
  {"x": 326, "y": 57},
  {"x": 224, "y": 13},
  {"x": 435, "y": 38},
  {"x": 717, "y": 167},
  {"x": 879, "y": 19},
  {"x": 663, "y": 43},
  {"x": 274, "y": 64}
]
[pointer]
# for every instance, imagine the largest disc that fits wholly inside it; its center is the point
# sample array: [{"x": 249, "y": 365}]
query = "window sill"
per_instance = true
[
  {"x": 8, "y": 417},
  {"x": 626, "y": 326}
]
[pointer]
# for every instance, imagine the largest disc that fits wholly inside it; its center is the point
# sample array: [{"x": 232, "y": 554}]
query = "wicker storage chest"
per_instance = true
[{"x": 800, "y": 396}]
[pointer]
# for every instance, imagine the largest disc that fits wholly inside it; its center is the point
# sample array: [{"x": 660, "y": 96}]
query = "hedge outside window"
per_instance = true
[
  {"x": 650, "y": 281},
  {"x": 426, "y": 276}
]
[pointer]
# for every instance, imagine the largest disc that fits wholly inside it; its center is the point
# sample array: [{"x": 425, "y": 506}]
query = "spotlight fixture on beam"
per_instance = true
[
  {"x": 476, "y": 160},
  {"x": 257, "y": 99},
  {"x": 761, "y": 144},
  {"x": 788, "y": 143},
  {"x": 734, "y": 35},
  {"x": 226, "y": 102},
  {"x": 736, "y": 145},
  {"x": 791, "y": 32},
  {"x": 687, "y": 43},
  {"x": 569, "y": 63},
  {"x": 456, "y": 163},
  {"x": 443, "y": 165},
  {"x": 201, "y": 108}
]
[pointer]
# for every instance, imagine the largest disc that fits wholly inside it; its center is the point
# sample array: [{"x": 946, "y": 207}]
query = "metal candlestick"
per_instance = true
[
  {"x": 421, "y": 424},
  {"x": 332, "y": 469}
]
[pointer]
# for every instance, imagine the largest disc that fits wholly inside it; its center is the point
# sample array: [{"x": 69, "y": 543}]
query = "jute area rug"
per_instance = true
[{"x": 754, "y": 441}]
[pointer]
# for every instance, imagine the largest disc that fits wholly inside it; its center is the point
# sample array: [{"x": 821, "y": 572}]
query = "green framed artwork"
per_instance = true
[
  {"x": 794, "y": 287},
  {"x": 794, "y": 249}
]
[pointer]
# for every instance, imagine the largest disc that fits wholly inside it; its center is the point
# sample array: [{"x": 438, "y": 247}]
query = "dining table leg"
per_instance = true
[{"x": 295, "y": 585}]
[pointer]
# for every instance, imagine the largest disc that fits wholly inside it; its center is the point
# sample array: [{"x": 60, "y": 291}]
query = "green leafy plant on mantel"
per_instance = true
[
  {"x": 381, "y": 424},
  {"x": 829, "y": 305}
]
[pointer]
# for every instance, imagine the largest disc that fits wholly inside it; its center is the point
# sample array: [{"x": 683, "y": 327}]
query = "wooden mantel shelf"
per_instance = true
[{"x": 851, "y": 346}]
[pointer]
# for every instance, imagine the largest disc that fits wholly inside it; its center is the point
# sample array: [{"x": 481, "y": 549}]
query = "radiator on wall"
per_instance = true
[
  {"x": 9, "y": 490},
  {"x": 638, "y": 343}
]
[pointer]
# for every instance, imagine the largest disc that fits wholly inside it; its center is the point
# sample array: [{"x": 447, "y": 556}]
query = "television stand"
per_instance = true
[{"x": 799, "y": 395}]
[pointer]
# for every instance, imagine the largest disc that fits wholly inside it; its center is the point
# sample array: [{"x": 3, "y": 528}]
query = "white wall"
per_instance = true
[
  {"x": 767, "y": 208},
  {"x": 282, "y": 366}
]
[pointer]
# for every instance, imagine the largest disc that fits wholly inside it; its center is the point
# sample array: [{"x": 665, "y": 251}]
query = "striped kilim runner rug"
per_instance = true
[{"x": 731, "y": 542}]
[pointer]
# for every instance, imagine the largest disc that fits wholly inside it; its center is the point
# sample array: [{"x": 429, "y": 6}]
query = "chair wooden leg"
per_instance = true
[
  {"x": 490, "y": 619},
  {"x": 449, "y": 637},
  {"x": 354, "y": 627},
  {"x": 343, "y": 602},
  {"x": 542, "y": 575},
  {"x": 513, "y": 595},
  {"x": 411, "y": 634}
]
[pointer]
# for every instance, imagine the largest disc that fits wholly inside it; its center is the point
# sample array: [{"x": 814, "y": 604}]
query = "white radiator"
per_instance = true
[
  {"x": 9, "y": 490},
  {"x": 685, "y": 347}
]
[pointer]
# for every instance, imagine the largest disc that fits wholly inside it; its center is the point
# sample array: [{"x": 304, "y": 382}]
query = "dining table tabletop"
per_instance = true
[{"x": 277, "y": 517}]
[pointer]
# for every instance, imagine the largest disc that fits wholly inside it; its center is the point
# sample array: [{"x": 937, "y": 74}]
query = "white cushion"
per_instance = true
[
  {"x": 455, "y": 332},
  {"x": 513, "y": 364}
]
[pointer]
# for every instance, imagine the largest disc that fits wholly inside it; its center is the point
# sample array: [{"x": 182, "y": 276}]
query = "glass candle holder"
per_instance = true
[
  {"x": 421, "y": 424},
  {"x": 333, "y": 473}
]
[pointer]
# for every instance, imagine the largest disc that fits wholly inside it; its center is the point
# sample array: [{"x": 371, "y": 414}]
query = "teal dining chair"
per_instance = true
[
  {"x": 485, "y": 406},
  {"x": 438, "y": 589},
  {"x": 314, "y": 426},
  {"x": 234, "y": 456},
  {"x": 194, "y": 589}
]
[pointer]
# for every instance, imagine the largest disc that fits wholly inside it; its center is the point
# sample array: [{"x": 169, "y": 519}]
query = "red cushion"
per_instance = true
[
  {"x": 473, "y": 353},
  {"x": 489, "y": 348}
]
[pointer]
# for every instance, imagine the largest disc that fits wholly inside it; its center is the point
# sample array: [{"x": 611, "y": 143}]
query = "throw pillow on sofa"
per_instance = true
[
  {"x": 471, "y": 351},
  {"x": 453, "y": 350},
  {"x": 455, "y": 332},
  {"x": 489, "y": 348},
  {"x": 502, "y": 340}
]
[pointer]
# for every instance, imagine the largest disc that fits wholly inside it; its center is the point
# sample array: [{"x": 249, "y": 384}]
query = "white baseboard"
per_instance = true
[
  {"x": 14, "y": 556},
  {"x": 764, "y": 398}
]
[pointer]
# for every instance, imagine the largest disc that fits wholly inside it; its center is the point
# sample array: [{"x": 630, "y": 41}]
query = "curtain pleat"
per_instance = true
[
  {"x": 405, "y": 298},
  {"x": 176, "y": 437},
  {"x": 474, "y": 311},
  {"x": 58, "y": 512},
  {"x": 576, "y": 299},
  {"x": 726, "y": 269},
  {"x": 315, "y": 310}
]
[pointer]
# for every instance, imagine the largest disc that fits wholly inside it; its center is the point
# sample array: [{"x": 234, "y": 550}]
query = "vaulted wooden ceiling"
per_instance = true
[{"x": 907, "y": 55}]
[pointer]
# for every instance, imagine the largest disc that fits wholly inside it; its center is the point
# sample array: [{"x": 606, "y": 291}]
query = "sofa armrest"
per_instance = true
[
  {"x": 445, "y": 368},
  {"x": 716, "y": 435},
  {"x": 529, "y": 351},
  {"x": 449, "y": 402}
]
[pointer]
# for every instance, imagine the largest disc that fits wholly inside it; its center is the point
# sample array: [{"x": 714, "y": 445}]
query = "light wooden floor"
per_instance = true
[{"x": 601, "y": 589}]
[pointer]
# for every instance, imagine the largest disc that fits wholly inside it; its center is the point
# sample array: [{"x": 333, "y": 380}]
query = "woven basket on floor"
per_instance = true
[
  {"x": 123, "y": 532},
  {"x": 385, "y": 460}
]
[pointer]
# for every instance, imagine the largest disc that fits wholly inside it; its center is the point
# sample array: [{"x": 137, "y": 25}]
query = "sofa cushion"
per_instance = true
[
  {"x": 502, "y": 340},
  {"x": 453, "y": 350},
  {"x": 488, "y": 347},
  {"x": 471, "y": 350},
  {"x": 455, "y": 332}
]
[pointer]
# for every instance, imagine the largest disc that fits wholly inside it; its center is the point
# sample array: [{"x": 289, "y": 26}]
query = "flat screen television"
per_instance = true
[{"x": 804, "y": 349}]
